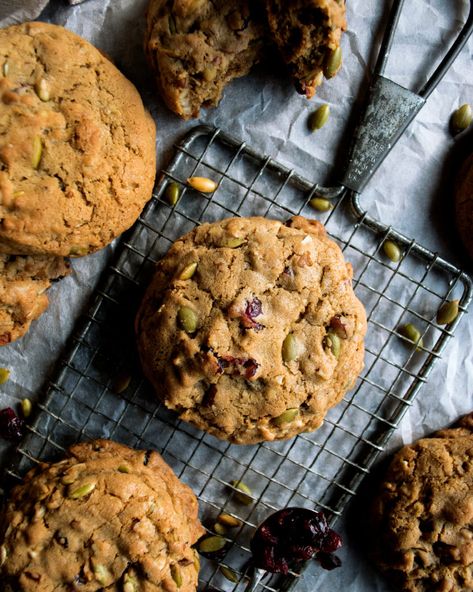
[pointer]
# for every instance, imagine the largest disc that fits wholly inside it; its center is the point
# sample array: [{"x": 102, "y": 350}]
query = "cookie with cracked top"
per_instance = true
[
  {"x": 77, "y": 147},
  {"x": 250, "y": 328},
  {"x": 24, "y": 280},
  {"x": 423, "y": 514},
  {"x": 195, "y": 47},
  {"x": 105, "y": 518}
]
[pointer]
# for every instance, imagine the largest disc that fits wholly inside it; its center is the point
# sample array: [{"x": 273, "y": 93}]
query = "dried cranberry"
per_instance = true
[
  {"x": 338, "y": 327},
  {"x": 209, "y": 396},
  {"x": 302, "y": 552},
  {"x": 291, "y": 536},
  {"x": 246, "y": 367},
  {"x": 289, "y": 271},
  {"x": 267, "y": 536},
  {"x": 316, "y": 525},
  {"x": 332, "y": 542},
  {"x": 253, "y": 309},
  {"x": 328, "y": 560},
  {"x": 11, "y": 426},
  {"x": 251, "y": 366}
]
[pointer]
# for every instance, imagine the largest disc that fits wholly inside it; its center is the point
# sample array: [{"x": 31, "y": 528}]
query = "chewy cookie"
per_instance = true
[
  {"x": 250, "y": 328},
  {"x": 23, "y": 283},
  {"x": 195, "y": 47},
  {"x": 423, "y": 515},
  {"x": 307, "y": 32},
  {"x": 105, "y": 518},
  {"x": 464, "y": 204},
  {"x": 77, "y": 148}
]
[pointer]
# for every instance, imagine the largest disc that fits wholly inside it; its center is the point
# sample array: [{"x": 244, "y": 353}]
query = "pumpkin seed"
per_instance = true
[
  {"x": 130, "y": 586},
  {"x": 4, "y": 375},
  {"x": 102, "y": 575},
  {"x": 188, "y": 271},
  {"x": 286, "y": 417},
  {"x": 332, "y": 342},
  {"x": 26, "y": 407},
  {"x": 123, "y": 469},
  {"x": 172, "y": 25},
  {"x": 42, "y": 90},
  {"x": 5, "y": 69},
  {"x": 196, "y": 560},
  {"x": 289, "y": 348},
  {"x": 319, "y": 117},
  {"x": 392, "y": 251},
  {"x": 243, "y": 495},
  {"x": 211, "y": 544},
  {"x": 228, "y": 520},
  {"x": 412, "y": 333},
  {"x": 202, "y": 184},
  {"x": 130, "y": 583},
  {"x": 172, "y": 193},
  {"x": 209, "y": 73},
  {"x": 220, "y": 529},
  {"x": 77, "y": 251},
  {"x": 37, "y": 152},
  {"x": 232, "y": 242},
  {"x": 176, "y": 575},
  {"x": 320, "y": 204},
  {"x": 448, "y": 312},
  {"x": 333, "y": 62},
  {"x": 229, "y": 574},
  {"x": 187, "y": 319},
  {"x": 82, "y": 491},
  {"x": 3, "y": 554},
  {"x": 121, "y": 382},
  {"x": 461, "y": 119}
]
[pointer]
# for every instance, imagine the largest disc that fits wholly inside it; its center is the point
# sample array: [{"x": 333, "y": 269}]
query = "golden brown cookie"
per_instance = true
[
  {"x": 250, "y": 328},
  {"x": 195, "y": 47},
  {"x": 307, "y": 32},
  {"x": 423, "y": 515},
  {"x": 105, "y": 518},
  {"x": 23, "y": 284},
  {"x": 464, "y": 204},
  {"x": 77, "y": 148}
]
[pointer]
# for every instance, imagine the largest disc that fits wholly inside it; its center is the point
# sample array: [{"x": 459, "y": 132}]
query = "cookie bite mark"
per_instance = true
[
  {"x": 307, "y": 34},
  {"x": 250, "y": 336},
  {"x": 24, "y": 281},
  {"x": 196, "y": 48}
]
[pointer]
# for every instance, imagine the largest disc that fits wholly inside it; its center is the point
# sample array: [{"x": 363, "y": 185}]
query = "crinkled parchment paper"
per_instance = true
[{"x": 411, "y": 190}]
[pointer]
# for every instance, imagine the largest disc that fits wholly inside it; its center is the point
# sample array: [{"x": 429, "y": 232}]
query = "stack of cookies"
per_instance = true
[{"x": 77, "y": 162}]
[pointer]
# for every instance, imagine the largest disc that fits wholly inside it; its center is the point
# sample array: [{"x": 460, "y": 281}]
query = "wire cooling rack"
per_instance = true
[{"x": 98, "y": 389}]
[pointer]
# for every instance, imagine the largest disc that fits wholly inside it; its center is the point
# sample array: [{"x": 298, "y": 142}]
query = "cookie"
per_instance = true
[
  {"x": 306, "y": 32},
  {"x": 105, "y": 518},
  {"x": 77, "y": 148},
  {"x": 195, "y": 47},
  {"x": 250, "y": 328},
  {"x": 23, "y": 284},
  {"x": 464, "y": 204},
  {"x": 423, "y": 515}
]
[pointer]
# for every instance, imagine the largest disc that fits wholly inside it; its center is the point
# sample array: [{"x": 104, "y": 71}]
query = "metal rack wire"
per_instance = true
[{"x": 322, "y": 469}]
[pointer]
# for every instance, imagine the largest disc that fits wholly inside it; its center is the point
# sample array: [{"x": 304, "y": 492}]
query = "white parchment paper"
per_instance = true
[{"x": 412, "y": 190}]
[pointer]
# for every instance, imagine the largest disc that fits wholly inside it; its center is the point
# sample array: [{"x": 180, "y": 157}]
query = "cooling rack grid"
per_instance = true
[{"x": 321, "y": 469}]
